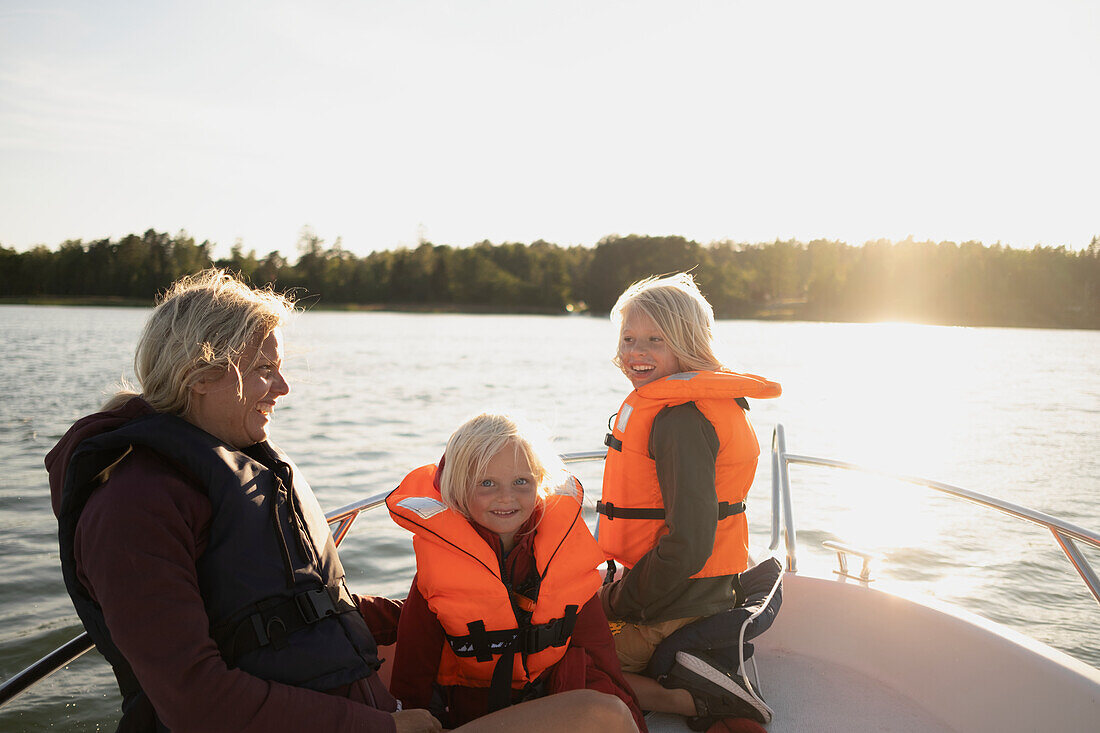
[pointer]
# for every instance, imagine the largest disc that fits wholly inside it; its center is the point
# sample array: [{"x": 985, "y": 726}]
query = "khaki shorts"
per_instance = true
[{"x": 634, "y": 643}]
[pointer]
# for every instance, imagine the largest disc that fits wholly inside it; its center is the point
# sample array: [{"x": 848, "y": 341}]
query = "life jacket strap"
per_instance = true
[
  {"x": 500, "y": 686},
  {"x": 725, "y": 509},
  {"x": 483, "y": 644},
  {"x": 612, "y": 442},
  {"x": 525, "y": 640},
  {"x": 609, "y": 510},
  {"x": 609, "y": 576},
  {"x": 277, "y": 618}
]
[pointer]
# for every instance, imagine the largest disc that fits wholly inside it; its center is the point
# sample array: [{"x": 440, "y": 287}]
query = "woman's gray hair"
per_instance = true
[
  {"x": 681, "y": 313},
  {"x": 202, "y": 322}
]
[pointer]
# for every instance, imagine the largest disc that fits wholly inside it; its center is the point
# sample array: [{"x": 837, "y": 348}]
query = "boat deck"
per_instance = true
[
  {"x": 810, "y": 695},
  {"x": 841, "y": 657}
]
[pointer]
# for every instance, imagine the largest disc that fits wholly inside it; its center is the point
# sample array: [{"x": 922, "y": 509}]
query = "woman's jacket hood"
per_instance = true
[{"x": 57, "y": 460}]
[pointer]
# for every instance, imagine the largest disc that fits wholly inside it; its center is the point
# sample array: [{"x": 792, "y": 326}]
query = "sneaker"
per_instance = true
[{"x": 717, "y": 692}]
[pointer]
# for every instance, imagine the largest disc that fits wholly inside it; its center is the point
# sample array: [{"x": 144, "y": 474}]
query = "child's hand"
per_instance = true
[{"x": 416, "y": 721}]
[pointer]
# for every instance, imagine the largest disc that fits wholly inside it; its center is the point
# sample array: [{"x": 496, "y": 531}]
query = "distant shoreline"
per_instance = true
[
  {"x": 782, "y": 316},
  {"x": 306, "y": 304},
  {"x": 102, "y": 300},
  {"x": 942, "y": 283}
]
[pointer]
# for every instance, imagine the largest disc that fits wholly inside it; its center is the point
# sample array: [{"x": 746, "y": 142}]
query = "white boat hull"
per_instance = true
[{"x": 845, "y": 657}]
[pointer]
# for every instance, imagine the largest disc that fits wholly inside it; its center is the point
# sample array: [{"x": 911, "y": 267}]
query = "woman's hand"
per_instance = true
[{"x": 416, "y": 721}]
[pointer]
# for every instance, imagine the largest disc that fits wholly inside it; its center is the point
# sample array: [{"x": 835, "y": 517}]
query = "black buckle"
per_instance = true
[
  {"x": 315, "y": 605},
  {"x": 610, "y": 574},
  {"x": 556, "y": 632},
  {"x": 276, "y": 632},
  {"x": 258, "y": 629},
  {"x": 534, "y": 639},
  {"x": 725, "y": 509}
]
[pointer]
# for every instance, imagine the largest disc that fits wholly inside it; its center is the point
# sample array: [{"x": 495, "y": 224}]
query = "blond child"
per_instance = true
[
  {"x": 681, "y": 459},
  {"x": 503, "y": 608}
]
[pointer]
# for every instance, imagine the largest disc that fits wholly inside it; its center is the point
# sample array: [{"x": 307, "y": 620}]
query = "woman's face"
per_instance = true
[
  {"x": 241, "y": 418},
  {"x": 504, "y": 494},
  {"x": 643, "y": 351}
]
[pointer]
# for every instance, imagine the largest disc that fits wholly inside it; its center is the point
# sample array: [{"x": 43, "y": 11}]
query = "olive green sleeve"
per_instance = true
[{"x": 685, "y": 446}]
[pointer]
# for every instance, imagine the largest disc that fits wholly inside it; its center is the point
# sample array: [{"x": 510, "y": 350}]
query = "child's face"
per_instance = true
[
  {"x": 643, "y": 352},
  {"x": 504, "y": 494}
]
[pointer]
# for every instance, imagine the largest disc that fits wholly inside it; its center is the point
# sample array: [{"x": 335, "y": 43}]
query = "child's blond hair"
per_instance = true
[
  {"x": 680, "y": 311},
  {"x": 474, "y": 444}
]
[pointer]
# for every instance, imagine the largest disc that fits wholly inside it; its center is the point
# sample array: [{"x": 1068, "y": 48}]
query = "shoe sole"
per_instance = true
[{"x": 710, "y": 674}]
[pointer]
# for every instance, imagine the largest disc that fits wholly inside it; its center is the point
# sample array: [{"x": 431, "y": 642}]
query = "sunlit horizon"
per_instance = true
[{"x": 385, "y": 125}]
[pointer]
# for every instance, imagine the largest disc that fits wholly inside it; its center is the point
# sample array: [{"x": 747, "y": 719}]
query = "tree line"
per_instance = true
[{"x": 929, "y": 282}]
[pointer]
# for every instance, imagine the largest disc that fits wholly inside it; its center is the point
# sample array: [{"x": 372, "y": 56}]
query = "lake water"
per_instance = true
[{"x": 1009, "y": 412}]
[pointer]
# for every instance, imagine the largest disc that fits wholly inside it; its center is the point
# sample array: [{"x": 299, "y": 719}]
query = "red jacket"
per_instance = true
[
  {"x": 590, "y": 663},
  {"x": 136, "y": 546}
]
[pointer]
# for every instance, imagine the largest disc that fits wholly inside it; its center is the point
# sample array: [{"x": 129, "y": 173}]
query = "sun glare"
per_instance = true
[
  {"x": 881, "y": 514},
  {"x": 909, "y": 391},
  {"x": 909, "y": 385}
]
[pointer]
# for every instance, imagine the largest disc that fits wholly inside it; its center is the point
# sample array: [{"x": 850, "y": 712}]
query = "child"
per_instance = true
[
  {"x": 681, "y": 458},
  {"x": 503, "y": 607}
]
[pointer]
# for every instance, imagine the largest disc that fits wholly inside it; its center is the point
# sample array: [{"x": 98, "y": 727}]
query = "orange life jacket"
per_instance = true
[
  {"x": 632, "y": 511},
  {"x": 459, "y": 576}
]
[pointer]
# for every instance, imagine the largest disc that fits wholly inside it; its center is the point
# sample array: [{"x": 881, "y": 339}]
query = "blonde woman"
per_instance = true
[{"x": 196, "y": 554}]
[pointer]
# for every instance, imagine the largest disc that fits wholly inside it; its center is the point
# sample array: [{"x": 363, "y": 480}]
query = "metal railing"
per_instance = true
[
  {"x": 340, "y": 520},
  {"x": 1065, "y": 534}
]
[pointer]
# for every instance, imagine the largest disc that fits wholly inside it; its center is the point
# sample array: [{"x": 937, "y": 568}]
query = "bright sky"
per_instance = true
[{"x": 513, "y": 120}]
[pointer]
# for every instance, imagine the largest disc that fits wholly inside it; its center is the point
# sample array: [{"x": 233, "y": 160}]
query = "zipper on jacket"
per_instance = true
[
  {"x": 279, "y": 495},
  {"x": 294, "y": 510}
]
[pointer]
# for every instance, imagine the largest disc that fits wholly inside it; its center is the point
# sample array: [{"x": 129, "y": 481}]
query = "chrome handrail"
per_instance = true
[
  {"x": 345, "y": 515},
  {"x": 1065, "y": 534},
  {"x": 65, "y": 654},
  {"x": 581, "y": 456}
]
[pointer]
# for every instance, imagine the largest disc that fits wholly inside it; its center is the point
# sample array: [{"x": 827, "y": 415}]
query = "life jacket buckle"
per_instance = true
[
  {"x": 535, "y": 638},
  {"x": 726, "y": 509},
  {"x": 315, "y": 605},
  {"x": 276, "y": 633}
]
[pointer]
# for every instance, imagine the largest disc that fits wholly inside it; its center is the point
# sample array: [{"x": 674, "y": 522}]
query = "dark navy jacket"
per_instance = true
[{"x": 270, "y": 577}]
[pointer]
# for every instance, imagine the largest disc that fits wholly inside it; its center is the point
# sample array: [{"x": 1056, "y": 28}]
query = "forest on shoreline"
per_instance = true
[{"x": 968, "y": 284}]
